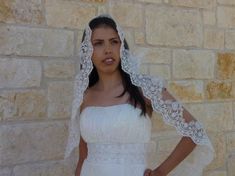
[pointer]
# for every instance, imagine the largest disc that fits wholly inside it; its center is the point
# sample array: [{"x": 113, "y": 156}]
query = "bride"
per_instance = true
[{"x": 112, "y": 108}]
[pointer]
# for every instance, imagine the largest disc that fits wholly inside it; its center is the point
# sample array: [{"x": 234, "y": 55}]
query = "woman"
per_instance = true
[{"x": 113, "y": 105}]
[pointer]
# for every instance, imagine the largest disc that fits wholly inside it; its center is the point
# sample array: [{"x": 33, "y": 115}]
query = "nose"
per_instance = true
[{"x": 108, "y": 49}]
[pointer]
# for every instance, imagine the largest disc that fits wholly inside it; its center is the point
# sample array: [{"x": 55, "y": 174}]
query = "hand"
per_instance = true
[{"x": 149, "y": 172}]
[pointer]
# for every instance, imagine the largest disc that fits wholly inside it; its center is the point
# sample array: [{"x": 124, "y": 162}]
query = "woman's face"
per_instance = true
[{"x": 106, "y": 49}]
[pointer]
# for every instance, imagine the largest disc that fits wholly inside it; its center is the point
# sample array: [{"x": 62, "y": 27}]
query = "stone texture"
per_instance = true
[
  {"x": 226, "y": 2},
  {"x": 151, "y": 1},
  {"x": 216, "y": 117},
  {"x": 19, "y": 73},
  {"x": 159, "y": 127},
  {"x": 231, "y": 165},
  {"x": 5, "y": 171},
  {"x": 205, "y": 4},
  {"x": 35, "y": 41},
  {"x": 153, "y": 55},
  {"x": 45, "y": 169},
  {"x": 160, "y": 70},
  {"x": 193, "y": 64},
  {"x": 27, "y": 104},
  {"x": 219, "y": 143},
  {"x": 139, "y": 37},
  {"x": 121, "y": 10},
  {"x": 188, "y": 91},
  {"x": 226, "y": 66},
  {"x": 226, "y": 17},
  {"x": 216, "y": 173},
  {"x": 167, "y": 145},
  {"x": 70, "y": 14},
  {"x": 59, "y": 69},
  {"x": 59, "y": 99},
  {"x": 30, "y": 142},
  {"x": 173, "y": 27},
  {"x": 219, "y": 90},
  {"x": 213, "y": 39},
  {"x": 209, "y": 17},
  {"x": 95, "y": 1},
  {"x": 18, "y": 11},
  {"x": 230, "y": 39},
  {"x": 230, "y": 141}
]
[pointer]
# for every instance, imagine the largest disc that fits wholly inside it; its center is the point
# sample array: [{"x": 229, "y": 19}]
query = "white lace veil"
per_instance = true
[{"x": 171, "y": 111}]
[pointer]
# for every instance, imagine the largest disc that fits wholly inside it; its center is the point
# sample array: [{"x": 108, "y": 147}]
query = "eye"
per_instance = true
[
  {"x": 98, "y": 43},
  {"x": 115, "y": 42}
]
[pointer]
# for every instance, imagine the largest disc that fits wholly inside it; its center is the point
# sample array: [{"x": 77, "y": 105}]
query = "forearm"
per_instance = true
[
  {"x": 181, "y": 151},
  {"x": 79, "y": 167}
]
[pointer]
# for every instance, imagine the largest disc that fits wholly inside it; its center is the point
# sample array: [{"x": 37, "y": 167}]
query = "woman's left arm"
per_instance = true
[{"x": 181, "y": 151}]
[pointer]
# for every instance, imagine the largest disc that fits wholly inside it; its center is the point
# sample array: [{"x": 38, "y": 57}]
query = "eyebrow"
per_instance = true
[{"x": 114, "y": 38}]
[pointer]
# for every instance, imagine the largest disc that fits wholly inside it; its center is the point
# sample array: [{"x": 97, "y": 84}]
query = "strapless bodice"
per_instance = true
[
  {"x": 117, "y": 139},
  {"x": 115, "y": 124}
]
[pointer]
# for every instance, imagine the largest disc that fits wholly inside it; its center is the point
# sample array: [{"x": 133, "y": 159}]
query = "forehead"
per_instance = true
[{"x": 104, "y": 32}]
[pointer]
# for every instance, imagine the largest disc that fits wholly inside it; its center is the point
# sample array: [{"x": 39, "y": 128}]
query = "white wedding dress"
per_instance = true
[{"x": 117, "y": 139}]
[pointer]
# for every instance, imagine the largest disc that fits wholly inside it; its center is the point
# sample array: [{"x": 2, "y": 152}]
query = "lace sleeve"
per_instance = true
[{"x": 174, "y": 114}]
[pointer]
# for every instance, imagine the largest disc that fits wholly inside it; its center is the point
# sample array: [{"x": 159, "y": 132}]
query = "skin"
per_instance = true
[{"x": 106, "y": 45}]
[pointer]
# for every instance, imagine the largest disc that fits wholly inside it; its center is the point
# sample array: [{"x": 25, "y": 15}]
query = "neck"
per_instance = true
[{"x": 109, "y": 81}]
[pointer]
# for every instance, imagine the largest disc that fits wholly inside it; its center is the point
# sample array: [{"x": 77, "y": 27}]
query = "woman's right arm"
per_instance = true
[{"x": 82, "y": 155}]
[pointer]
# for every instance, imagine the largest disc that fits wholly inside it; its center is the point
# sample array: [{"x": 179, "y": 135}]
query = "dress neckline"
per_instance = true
[{"x": 109, "y": 107}]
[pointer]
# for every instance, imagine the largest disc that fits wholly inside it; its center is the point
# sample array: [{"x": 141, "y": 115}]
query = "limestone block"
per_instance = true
[
  {"x": 231, "y": 165},
  {"x": 70, "y": 14},
  {"x": 230, "y": 141},
  {"x": 18, "y": 11},
  {"x": 160, "y": 70},
  {"x": 151, "y": 1},
  {"x": 96, "y": 1},
  {"x": 205, "y": 4},
  {"x": 226, "y": 2},
  {"x": 127, "y": 14},
  {"x": 193, "y": 64},
  {"x": 159, "y": 126},
  {"x": 35, "y": 41},
  {"x": 216, "y": 117},
  {"x": 219, "y": 90},
  {"x": 167, "y": 145},
  {"x": 226, "y": 66},
  {"x": 29, "y": 142},
  {"x": 188, "y": 91},
  {"x": 60, "y": 99},
  {"x": 209, "y": 17},
  {"x": 19, "y": 73},
  {"x": 5, "y": 171},
  {"x": 213, "y": 39},
  {"x": 153, "y": 55},
  {"x": 219, "y": 143},
  {"x": 226, "y": 16},
  {"x": 230, "y": 39},
  {"x": 139, "y": 37},
  {"x": 173, "y": 27},
  {"x": 59, "y": 69},
  {"x": 27, "y": 104},
  {"x": 215, "y": 173},
  {"x": 44, "y": 169}
]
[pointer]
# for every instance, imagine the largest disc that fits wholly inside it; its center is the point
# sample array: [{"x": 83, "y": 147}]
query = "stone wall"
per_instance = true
[{"x": 191, "y": 43}]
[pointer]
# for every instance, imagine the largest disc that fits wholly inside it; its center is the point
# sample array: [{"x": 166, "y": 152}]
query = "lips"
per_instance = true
[{"x": 108, "y": 60}]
